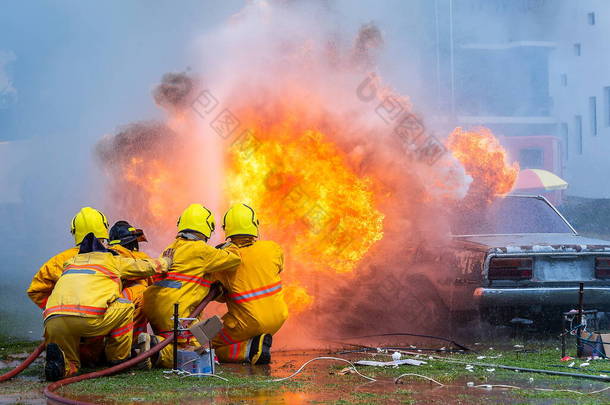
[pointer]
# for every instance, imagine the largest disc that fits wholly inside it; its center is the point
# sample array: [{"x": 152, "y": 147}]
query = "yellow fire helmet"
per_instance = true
[
  {"x": 197, "y": 218},
  {"x": 86, "y": 221},
  {"x": 240, "y": 219}
]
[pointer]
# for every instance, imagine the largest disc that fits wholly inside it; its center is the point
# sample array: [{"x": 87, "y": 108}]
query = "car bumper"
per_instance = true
[{"x": 597, "y": 297}]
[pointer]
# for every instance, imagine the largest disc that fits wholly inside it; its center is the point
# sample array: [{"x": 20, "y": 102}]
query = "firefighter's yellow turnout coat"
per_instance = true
[
  {"x": 86, "y": 301},
  {"x": 133, "y": 290},
  {"x": 254, "y": 297},
  {"x": 43, "y": 282},
  {"x": 186, "y": 283}
]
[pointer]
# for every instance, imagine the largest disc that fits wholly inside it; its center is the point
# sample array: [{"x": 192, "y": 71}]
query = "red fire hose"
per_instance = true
[
  {"x": 49, "y": 391},
  {"x": 26, "y": 363}
]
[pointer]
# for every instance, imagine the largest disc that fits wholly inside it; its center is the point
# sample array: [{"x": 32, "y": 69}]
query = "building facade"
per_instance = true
[{"x": 537, "y": 73}]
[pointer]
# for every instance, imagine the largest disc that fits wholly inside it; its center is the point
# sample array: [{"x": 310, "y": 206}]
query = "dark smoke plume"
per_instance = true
[
  {"x": 176, "y": 91},
  {"x": 148, "y": 138}
]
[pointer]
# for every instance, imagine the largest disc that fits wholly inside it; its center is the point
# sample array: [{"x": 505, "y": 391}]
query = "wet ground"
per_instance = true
[{"x": 323, "y": 381}]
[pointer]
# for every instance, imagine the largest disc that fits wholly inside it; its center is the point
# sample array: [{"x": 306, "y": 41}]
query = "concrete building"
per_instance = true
[
  {"x": 579, "y": 82},
  {"x": 537, "y": 69}
]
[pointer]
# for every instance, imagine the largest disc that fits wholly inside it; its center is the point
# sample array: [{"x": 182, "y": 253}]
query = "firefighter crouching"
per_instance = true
[
  {"x": 253, "y": 292},
  {"x": 87, "y": 220},
  {"x": 125, "y": 239},
  {"x": 86, "y": 302},
  {"x": 187, "y": 282}
]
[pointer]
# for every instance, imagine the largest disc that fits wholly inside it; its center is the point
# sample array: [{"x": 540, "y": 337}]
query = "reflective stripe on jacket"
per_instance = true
[
  {"x": 44, "y": 280},
  {"x": 254, "y": 292},
  {"x": 257, "y": 293},
  {"x": 134, "y": 254},
  {"x": 187, "y": 281},
  {"x": 92, "y": 281}
]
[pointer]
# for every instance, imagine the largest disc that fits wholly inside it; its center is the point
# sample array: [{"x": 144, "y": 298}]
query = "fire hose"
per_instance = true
[
  {"x": 49, "y": 391},
  {"x": 26, "y": 363}
]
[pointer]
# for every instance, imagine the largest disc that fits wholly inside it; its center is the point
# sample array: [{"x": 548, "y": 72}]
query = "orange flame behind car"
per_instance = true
[{"x": 485, "y": 160}]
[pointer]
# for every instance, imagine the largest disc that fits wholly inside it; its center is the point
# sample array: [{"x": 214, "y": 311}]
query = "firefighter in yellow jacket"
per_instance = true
[
  {"x": 187, "y": 282},
  {"x": 255, "y": 301},
  {"x": 87, "y": 220},
  {"x": 125, "y": 239},
  {"x": 86, "y": 302}
]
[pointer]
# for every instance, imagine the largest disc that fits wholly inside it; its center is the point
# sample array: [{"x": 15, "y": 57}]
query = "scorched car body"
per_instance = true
[{"x": 521, "y": 258}]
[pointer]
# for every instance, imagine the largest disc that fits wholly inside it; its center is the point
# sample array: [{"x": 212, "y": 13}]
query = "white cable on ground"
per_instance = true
[
  {"x": 182, "y": 374},
  {"x": 322, "y": 358},
  {"x": 490, "y": 386},
  {"x": 418, "y": 375},
  {"x": 204, "y": 375}
]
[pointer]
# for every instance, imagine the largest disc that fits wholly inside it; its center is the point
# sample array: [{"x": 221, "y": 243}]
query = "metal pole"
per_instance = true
[
  {"x": 175, "y": 342},
  {"x": 581, "y": 298},
  {"x": 451, "y": 59},
  {"x": 438, "y": 58},
  {"x": 563, "y": 336},
  {"x": 211, "y": 353}
]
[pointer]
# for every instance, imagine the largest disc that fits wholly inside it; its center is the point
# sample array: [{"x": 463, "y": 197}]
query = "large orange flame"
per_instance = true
[
  {"x": 485, "y": 160},
  {"x": 319, "y": 160},
  {"x": 307, "y": 196}
]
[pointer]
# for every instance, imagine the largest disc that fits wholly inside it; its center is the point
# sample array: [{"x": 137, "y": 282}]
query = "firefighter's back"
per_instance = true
[{"x": 255, "y": 288}]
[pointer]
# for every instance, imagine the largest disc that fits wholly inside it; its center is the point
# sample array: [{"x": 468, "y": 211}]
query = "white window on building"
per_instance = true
[
  {"x": 577, "y": 49},
  {"x": 578, "y": 131},
  {"x": 565, "y": 140},
  {"x": 591, "y": 18},
  {"x": 593, "y": 115},
  {"x": 607, "y": 105}
]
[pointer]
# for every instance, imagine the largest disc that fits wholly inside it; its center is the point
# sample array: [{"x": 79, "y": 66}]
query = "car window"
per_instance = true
[{"x": 510, "y": 215}]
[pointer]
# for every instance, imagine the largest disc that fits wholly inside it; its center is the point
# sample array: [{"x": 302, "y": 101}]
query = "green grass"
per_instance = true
[
  {"x": 27, "y": 386},
  {"x": 10, "y": 346},
  {"x": 321, "y": 383},
  {"x": 544, "y": 357},
  {"x": 155, "y": 385}
]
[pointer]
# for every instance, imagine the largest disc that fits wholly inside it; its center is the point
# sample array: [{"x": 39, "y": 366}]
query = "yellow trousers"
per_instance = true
[
  {"x": 116, "y": 324},
  {"x": 232, "y": 345},
  {"x": 92, "y": 349},
  {"x": 135, "y": 294}
]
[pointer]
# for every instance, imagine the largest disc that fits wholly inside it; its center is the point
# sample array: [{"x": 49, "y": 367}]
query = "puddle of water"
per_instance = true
[
  {"x": 322, "y": 386},
  {"x": 21, "y": 399}
]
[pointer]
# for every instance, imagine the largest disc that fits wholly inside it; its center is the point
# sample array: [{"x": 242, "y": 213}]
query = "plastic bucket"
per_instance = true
[{"x": 194, "y": 363}]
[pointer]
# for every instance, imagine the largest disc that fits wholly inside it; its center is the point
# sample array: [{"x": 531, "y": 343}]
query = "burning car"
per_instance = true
[{"x": 519, "y": 257}]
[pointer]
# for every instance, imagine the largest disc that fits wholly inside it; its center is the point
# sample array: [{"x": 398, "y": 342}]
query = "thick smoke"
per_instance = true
[
  {"x": 155, "y": 169},
  {"x": 176, "y": 91},
  {"x": 288, "y": 78},
  {"x": 130, "y": 157}
]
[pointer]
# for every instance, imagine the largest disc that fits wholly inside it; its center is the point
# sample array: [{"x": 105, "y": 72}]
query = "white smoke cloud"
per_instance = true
[{"x": 8, "y": 93}]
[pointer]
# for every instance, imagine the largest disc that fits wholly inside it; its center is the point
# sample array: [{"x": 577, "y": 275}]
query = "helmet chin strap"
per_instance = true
[{"x": 189, "y": 235}]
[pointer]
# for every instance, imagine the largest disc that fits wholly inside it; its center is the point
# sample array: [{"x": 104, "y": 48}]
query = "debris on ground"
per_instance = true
[
  {"x": 9, "y": 364},
  {"x": 393, "y": 363},
  {"x": 19, "y": 355},
  {"x": 344, "y": 371}
]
